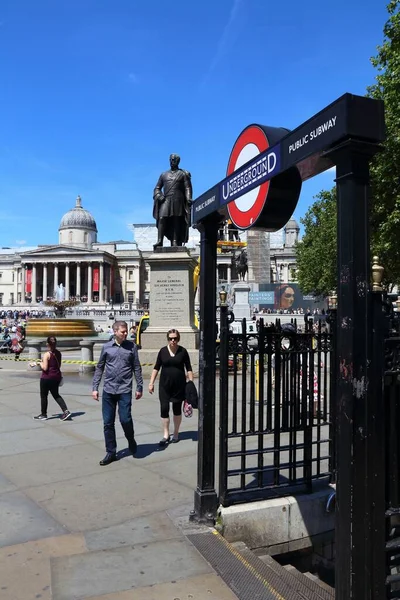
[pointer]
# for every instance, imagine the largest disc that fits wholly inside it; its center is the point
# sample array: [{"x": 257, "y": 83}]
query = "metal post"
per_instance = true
[
  {"x": 205, "y": 497},
  {"x": 223, "y": 397},
  {"x": 333, "y": 392},
  {"x": 353, "y": 500}
]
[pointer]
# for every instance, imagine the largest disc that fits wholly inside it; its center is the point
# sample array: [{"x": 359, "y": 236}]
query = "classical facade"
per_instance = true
[
  {"x": 89, "y": 271},
  {"x": 118, "y": 272},
  {"x": 282, "y": 255}
]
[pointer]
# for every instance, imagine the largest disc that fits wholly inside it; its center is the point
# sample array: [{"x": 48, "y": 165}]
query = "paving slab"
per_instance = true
[
  {"x": 109, "y": 497},
  {"x": 32, "y": 440},
  {"x": 17, "y": 422},
  {"x": 182, "y": 470},
  {"x": 6, "y": 485},
  {"x": 60, "y": 464},
  {"x": 199, "y": 587},
  {"x": 30, "y": 581},
  {"x": 141, "y": 530},
  {"x": 25, "y": 568},
  {"x": 7, "y": 410},
  {"x": 99, "y": 573},
  {"x": 23, "y": 520}
]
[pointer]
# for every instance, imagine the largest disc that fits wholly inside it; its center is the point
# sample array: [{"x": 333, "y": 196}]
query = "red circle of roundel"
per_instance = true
[{"x": 251, "y": 135}]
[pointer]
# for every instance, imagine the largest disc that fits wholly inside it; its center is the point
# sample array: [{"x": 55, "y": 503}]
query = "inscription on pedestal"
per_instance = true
[{"x": 169, "y": 302}]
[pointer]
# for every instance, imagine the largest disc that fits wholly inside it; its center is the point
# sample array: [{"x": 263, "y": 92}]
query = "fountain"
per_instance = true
[{"x": 61, "y": 326}]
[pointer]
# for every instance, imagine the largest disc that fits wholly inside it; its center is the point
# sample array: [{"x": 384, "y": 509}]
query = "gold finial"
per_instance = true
[
  {"x": 332, "y": 300},
  {"x": 377, "y": 275},
  {"x": 223, "y": 295}
]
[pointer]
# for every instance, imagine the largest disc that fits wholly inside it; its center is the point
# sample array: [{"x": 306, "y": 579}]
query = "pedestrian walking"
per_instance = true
[
  {"x": 172, "y": 359},
  {"x": 120, "y": 360},
  {"x": 50, "y": 380}
]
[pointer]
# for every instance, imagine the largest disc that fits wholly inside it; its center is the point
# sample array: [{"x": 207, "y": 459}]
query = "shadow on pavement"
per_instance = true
[
  {"x": 73, "y": 414},
  {"x": 147, "y": 449}
]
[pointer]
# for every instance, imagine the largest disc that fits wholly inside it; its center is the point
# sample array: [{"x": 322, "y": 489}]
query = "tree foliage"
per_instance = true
[
  {"x": 385, "y": 168},
  {"x": 316, "y": 252}
]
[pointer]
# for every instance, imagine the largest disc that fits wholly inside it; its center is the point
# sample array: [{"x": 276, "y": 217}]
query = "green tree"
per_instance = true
[
  {"x": 385, "y": 168},
  {"x": 316, "y": 252}
]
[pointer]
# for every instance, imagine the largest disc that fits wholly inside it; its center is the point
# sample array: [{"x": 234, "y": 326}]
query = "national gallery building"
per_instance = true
[
  {"x": 117, "y": 272},
  {"x": 90, "y": 271}
]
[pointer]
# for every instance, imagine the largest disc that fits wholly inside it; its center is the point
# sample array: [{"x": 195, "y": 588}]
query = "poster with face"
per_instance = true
[{"x": 287, "y": 297}]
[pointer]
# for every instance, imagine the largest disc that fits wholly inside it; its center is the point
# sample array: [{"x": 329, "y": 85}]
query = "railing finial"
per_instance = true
[{"x": 377, "y": 275}]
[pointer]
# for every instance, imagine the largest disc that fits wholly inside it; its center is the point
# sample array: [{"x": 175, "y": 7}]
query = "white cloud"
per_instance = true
[
  {"x": 20, "y": 242},
  {"x": 132, "y": 77},
  {"x": 223, "y": 41}
]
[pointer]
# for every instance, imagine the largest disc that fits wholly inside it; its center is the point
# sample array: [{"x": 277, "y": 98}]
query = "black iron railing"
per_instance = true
[
  {"x": 392, "y": 459},
  {"x": 276, "y": 422}
]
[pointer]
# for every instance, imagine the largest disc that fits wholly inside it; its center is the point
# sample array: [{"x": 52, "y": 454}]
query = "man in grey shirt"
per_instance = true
[{"x": 119, "y": 357}]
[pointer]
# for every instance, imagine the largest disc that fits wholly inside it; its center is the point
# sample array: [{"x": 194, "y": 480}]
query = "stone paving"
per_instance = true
[{"x": 70, "y": 529}]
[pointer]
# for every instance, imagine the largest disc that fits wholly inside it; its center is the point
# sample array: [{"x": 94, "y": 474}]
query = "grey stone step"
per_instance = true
[
  {"x": 306, "y": 588},
  {"x": 296, "y": 573},
  {"x": 249, "y": 579},
  {"x": 318, "y": 581}
]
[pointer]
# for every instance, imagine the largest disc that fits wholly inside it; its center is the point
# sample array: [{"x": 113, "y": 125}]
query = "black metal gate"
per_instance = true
[{"x": 276, "y": 418}]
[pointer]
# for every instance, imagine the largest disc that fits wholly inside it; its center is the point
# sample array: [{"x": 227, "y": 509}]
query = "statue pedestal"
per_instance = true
[
  {"x": 241, "y": 308},
  {"x": 171, "y": 299}
]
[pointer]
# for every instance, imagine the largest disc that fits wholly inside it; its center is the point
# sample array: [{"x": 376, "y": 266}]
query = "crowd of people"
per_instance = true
[{"x": 12, "y": 336}]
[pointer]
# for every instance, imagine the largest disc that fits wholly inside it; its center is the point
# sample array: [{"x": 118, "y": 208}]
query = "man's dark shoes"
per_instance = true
[
  {"x": 109, "y": 458},
  {"x": 133, "y": 446}
]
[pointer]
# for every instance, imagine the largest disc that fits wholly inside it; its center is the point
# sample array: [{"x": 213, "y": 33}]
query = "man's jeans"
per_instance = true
[{"x": 109, "y": 403}]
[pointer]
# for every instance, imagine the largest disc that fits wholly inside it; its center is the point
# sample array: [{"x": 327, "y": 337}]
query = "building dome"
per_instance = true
[
  {"x": 78, "y": 218},
  {"x": 292, "y": 224}
]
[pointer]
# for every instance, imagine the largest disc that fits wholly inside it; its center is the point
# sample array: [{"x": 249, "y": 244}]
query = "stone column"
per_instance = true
[
  {"x": 67, "y": 281},
  {"x": 44, "y": 282},
  {"x": 16, "y": 282},
  {"x": 33, "y": 287},
  {"x": 229, "y": 269},
  {"x": 285, "y": 273},
  {"x": 101, "y": 283},
  {"x": 89, "y": 287},
  {"x": 23, "y": 286},
  {"x": 78, "y": 280},
  {"x": 55, "y": 278}
]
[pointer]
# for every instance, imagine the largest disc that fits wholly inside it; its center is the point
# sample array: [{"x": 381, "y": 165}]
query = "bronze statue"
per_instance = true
[
  {"x": 242, "y": 265},
  {"x": 172, "y": 204}
]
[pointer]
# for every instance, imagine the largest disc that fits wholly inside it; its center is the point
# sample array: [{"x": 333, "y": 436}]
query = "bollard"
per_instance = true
[
  {"x": 86, "y": 355},
  {"x": 34, "y": 350}
]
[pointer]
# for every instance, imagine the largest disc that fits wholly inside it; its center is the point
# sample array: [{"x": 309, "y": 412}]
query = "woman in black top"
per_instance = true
[{"x": 172, "y": 360}]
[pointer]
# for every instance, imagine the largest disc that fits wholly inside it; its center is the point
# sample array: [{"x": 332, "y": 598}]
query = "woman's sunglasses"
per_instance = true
[{"x": 172, "y": 339}]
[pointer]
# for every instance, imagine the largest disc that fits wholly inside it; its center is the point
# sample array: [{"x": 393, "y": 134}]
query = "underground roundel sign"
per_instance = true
[{"x": 245, "y": 190}]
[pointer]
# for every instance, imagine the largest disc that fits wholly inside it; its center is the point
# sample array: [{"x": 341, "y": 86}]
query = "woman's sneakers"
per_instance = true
[
  {"x": 163, "y": 443},
  {"x": 65, "y": 415},
  {"x": 173, "y": 440},
  {"x": 41, "y": 418}
]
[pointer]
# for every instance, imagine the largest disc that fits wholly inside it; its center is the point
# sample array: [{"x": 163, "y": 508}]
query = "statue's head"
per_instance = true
[{"x": 174, "y": 161}]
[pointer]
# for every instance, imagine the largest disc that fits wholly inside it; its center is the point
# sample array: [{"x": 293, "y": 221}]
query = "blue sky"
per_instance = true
[{"x": 96, "y": 94}]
